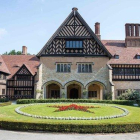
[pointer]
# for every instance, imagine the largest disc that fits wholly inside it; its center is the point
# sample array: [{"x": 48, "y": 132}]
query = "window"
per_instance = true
[
  {"x": 129, "y": 71},
  {"x": 74, "y": 44},
  {"x": 121, "y": 91},
  {"x": 63, "y": 67},
  {"x": 137, "y": 71},
  {"x": 4, "y": 77},
  {"x": 126, "y": 71},
  {"x": 0, "y": 76},
  {"x": 23, "y": 78},
  {"x": 3, "y": 91},
  {"x": 137, "y": 56},
  {"x": 92, "y": 94},
  {"x": 84, "y": 68},
  {"x": 118, "y": 71},
  {"x": 0, "y": 63},
  {"x": 55, "y": 93},
  {"x": 116, "y": 56}
]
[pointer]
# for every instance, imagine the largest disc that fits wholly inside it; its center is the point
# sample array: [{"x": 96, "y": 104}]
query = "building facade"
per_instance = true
[{"x": 76, "y": 63}]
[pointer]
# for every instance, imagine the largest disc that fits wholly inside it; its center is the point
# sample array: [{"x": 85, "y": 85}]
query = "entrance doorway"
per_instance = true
[
  {"x": 53, "y": 90},
  {"x": 74, "y": 93}
]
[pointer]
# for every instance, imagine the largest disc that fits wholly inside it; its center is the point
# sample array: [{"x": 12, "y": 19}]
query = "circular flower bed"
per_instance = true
[
  {"x": 73, "y": 107},
  {"x": 125, "y": 112}
]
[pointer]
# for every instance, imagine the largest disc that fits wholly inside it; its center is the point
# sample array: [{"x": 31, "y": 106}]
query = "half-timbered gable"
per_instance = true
[
  {"x": 21, "y": 85},
  {"x": 22, "y": 72},
  {"x": 74, "y": 38}
]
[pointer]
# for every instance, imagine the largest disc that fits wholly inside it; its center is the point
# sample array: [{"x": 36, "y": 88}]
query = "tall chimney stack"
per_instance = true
[
  {"x": 24, "y": 50},
  {"x": 97, "y": 30},
  {"x": 132, "y": 32}
]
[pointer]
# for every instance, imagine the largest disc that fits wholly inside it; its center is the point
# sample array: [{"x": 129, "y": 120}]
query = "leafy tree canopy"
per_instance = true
[{"x": 14, "y": 52}]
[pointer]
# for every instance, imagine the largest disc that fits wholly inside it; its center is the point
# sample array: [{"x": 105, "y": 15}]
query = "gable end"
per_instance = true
[{"x": 74, "y": 28}]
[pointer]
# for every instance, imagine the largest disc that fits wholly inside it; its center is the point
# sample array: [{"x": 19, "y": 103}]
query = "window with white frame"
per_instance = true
[
  {"x": 63, "y": 67},
  {"x": 84, "y": 67},
  {"x": 74, "y": 44}
]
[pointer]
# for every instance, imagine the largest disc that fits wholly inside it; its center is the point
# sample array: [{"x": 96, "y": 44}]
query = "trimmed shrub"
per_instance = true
[
  {"x": 76, "y": 128},
  {"x": 3, "y": 100},
  {"x": 30, "y": 101},
  {"x": 130, "y": 94},
  {"x": 138, "y": 102},
  {"x": 108, "y": 96}
]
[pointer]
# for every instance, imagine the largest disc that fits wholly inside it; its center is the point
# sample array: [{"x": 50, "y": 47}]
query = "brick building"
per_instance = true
[{"x": 75, "y": 63}]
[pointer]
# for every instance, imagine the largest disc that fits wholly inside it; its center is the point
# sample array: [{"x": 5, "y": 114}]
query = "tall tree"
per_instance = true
[{"x": 14, "y": 52}]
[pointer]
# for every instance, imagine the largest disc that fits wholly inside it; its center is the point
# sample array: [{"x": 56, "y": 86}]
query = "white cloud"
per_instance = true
[{"x": 2, "y": 32}]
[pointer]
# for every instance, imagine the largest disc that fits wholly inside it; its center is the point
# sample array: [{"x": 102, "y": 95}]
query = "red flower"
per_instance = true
[{"x": 73, "y": 107}]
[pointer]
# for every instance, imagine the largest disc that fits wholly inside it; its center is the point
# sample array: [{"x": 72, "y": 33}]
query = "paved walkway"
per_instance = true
[{"x": 13, "y": 135}]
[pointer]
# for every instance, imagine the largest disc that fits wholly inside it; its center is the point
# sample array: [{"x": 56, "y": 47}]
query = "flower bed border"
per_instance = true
[{"x": 125, "y": 113}]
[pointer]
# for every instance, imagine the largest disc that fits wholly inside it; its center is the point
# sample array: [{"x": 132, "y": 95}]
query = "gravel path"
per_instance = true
[{"x": 13, "y": 135}]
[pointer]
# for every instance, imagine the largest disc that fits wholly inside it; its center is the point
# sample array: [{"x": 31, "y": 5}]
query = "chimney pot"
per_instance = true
[
  {"x": 75, "y": 9},
  {"x": 24, "y": 50},
  {"x": 97, "y": 30}
]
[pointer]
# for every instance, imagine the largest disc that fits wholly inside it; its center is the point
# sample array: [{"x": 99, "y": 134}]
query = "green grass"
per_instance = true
[
  {"x": 43, "y": 110},
  {"x": 7, "y": 113}
]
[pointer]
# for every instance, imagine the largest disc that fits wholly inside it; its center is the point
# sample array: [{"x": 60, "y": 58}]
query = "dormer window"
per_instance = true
[
  {"x": 16, "y": 66},
  {"x": 116, "y": 56},
  {"x": 137, "y": 56},
  {"x": 74, "y": 44}
]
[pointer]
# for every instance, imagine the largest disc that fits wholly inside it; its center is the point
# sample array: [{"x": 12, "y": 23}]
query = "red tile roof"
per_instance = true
[
  {"x": 126, "y": 54},
  {"x": 14, "y": 62},
  {"x": 3, "y": 67}
]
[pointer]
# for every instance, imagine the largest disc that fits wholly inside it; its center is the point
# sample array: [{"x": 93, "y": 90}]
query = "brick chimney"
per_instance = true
[
  {"x": 132, "y": 31},
  {"x": 24, "y": 50},
  {"x": 97, "y": 30},
  {"x": 75, "y": 9}
]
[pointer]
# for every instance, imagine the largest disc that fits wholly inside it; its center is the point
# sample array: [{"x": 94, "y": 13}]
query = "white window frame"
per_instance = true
[
  {"x": 63, "y": 67},
  {"x": 85, "y": 67}
]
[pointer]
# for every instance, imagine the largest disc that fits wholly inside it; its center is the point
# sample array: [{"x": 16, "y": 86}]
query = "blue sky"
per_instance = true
[{"x": 32, "y": 22}]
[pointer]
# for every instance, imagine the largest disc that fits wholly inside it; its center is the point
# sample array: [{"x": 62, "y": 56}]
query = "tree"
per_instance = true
[{"x": 14, "y": 52}]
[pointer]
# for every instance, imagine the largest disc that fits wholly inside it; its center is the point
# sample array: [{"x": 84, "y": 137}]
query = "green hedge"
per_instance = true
[
  {"x": 138, "y": 102},
  {"x": 77, "y": 128},
  {"x": 3, "y": 100},
  {"x": 29, "y": 101}
]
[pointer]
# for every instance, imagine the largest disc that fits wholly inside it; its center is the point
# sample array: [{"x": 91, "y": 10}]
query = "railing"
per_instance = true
[
  {"x": 15, "y": 97},
  {"x": 126, "y": 77}
]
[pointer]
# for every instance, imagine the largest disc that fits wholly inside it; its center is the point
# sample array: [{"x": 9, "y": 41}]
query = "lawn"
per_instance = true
[
  {"x": 44, "y": 110},
  {"x": 7, "y": 113}
]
